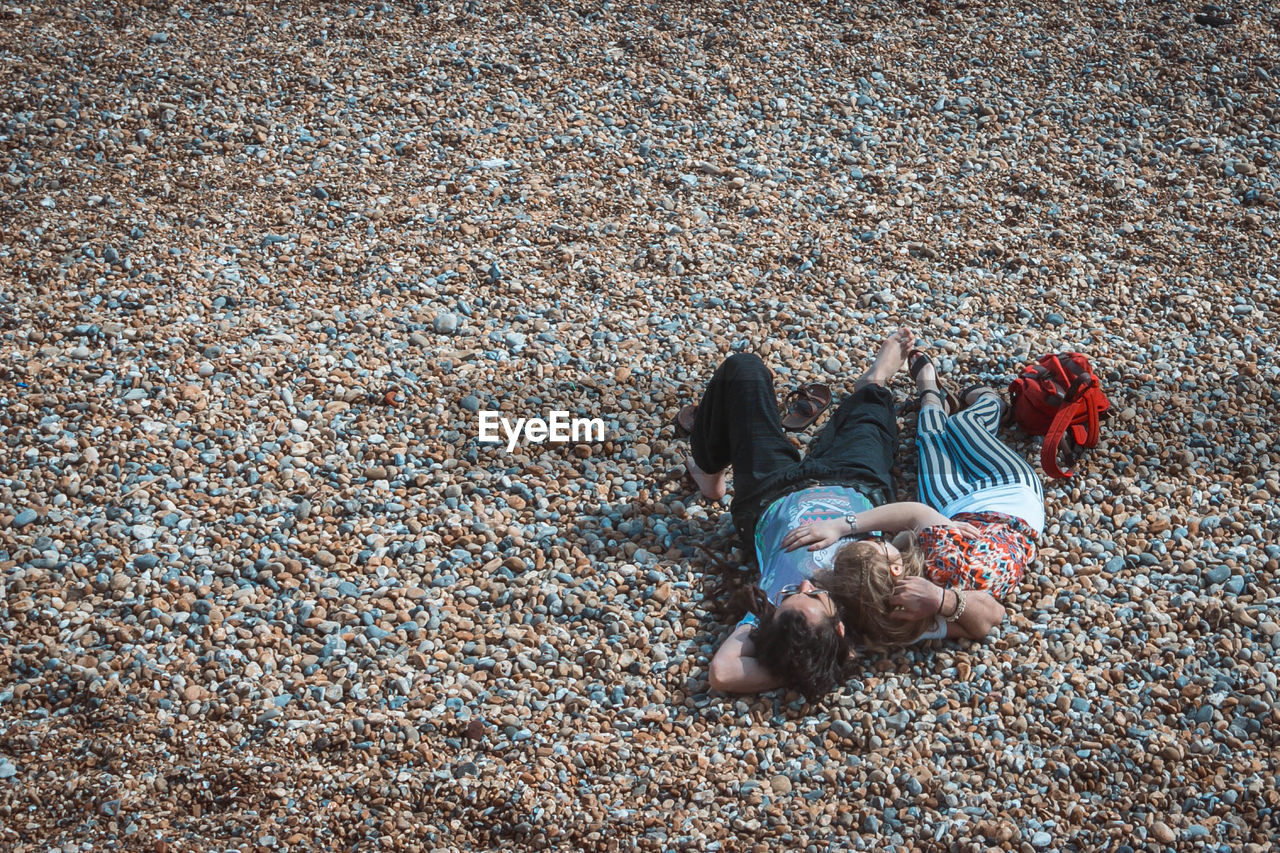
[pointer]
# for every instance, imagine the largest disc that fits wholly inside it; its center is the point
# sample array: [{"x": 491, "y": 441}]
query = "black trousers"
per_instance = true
[{"x": 738, "y": 424}]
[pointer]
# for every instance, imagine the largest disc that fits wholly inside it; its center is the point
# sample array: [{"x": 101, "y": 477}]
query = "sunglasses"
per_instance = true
[{"x": 794, "y": 589}]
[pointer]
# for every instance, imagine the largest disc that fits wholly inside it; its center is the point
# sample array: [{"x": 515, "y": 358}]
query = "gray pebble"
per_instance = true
[
  {"x": 1218, "y": 574},
  {"x": 445, "y": 324},
  {"x": 842, "y": 728},
  {"x": 146, "y": 561}
]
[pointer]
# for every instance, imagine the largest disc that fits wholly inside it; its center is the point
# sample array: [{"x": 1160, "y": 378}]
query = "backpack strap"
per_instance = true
[
  {"x": 1085, "y": 434},
  {"x": 1052, "y": 438},
  {"x": 1092, "y": 408},
  {"x": 1055, "y": 365}
]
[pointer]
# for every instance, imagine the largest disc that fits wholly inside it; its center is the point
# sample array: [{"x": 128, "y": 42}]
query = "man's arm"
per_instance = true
[{"x": 734, "y": 668}]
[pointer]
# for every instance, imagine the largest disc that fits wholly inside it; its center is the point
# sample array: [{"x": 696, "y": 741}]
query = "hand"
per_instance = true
[
  {"x": 817, "y": 535},
  {"x": 915, "y": 598},
  {"x": 964, "y": 528}
]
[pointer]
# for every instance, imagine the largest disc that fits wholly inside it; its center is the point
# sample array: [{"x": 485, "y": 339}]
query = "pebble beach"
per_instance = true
[{"x": 262, "y": 268}]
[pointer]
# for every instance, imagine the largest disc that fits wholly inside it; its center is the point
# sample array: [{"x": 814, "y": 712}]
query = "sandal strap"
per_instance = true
[
  {"x": 806, "y": 406},
  {"x": 942, "y": 398},
  {"x": 916, "y": 360}
]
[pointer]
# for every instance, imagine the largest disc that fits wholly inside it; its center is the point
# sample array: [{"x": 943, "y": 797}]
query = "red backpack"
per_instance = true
[{"x": 1057, "y": 393}]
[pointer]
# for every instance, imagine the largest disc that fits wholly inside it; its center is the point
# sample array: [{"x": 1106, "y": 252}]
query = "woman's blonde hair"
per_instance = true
[{"x": 861, "y": 584}]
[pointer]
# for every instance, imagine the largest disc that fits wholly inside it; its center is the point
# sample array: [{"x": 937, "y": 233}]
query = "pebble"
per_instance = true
[
  {"x": 261, "y": 302},
  {"x": 1217, "y": 574}
]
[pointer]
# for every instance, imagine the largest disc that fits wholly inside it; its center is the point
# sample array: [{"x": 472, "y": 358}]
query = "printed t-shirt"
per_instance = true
[
  {"x": 779, "y": 568},
  {"x": 993, "y": 561}
]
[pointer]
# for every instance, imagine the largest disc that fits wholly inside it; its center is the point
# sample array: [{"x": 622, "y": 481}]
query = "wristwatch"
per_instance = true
[{"x": 852, "y": 520}]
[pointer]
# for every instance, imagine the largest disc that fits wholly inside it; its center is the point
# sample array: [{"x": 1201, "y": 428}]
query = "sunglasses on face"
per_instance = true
[{"x": 794, "y": 589}]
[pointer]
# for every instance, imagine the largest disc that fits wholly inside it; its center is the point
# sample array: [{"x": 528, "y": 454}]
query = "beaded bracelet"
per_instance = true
[{"x": 959, "y": 607}]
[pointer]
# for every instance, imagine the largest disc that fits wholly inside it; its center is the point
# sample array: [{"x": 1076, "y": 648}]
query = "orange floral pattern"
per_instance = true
[{"x": 993, "y": 561}]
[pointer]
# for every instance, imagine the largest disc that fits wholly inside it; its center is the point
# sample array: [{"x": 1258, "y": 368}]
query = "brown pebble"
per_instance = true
[{"x": 475, "y": 729}]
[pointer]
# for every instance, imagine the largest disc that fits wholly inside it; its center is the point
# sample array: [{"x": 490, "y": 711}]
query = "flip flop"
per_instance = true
[
  {"x": 916, "y": 360},
  {"x": 684, "y": 420},
  {"x": 805, "y": 404}
]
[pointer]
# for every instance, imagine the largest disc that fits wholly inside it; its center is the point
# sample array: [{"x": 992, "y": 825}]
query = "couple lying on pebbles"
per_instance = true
[{"x": 840, "y": 560}]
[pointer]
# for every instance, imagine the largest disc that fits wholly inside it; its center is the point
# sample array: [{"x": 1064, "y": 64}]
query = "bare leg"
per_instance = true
[
  {"x": 889, "y": 360},
  {"x": 711, "y": 485}
]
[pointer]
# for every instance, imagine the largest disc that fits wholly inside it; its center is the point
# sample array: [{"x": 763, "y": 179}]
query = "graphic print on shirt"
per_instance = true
[
  {"x": 779, "y": 568},
  {"x": 820, "y": 508}
]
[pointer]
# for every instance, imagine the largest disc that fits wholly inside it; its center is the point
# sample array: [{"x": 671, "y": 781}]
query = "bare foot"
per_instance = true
[
  {"x": 710, "y": 485},
  {"x": 892, "y": 355}
]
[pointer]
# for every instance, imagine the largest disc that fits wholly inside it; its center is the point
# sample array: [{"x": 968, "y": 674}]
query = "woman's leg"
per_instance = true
[
  {"x": 941, "y": 478},
  {"x": 738, "y": 424},
  {"x": 986, "y": 460}
]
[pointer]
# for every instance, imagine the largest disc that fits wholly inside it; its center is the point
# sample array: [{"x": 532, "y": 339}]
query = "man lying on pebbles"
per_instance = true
[{"x": 800, "y": 638}]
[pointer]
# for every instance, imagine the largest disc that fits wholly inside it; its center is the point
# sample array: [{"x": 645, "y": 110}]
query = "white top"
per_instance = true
[
  {"x": 1016, "y": 499},
  {"x": 937, "y": 632}
]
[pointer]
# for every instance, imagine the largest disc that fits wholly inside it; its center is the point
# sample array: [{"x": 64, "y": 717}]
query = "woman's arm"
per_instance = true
[
  {"x": 734, "y": 668},
  {"x": 920, "y": 598},
  {"x": 887, "y": 518},
  {"x": 981, "y": 613},
  {"x": 896, "y": 517}
]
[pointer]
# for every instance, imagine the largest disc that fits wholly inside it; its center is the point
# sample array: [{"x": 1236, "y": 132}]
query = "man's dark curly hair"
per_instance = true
[{"x": 811, "y": 658}]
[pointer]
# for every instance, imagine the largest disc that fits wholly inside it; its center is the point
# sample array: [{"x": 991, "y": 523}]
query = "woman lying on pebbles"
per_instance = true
[
  {"x": 799, "y": 638},
  {"x": 950, "y": 562}
]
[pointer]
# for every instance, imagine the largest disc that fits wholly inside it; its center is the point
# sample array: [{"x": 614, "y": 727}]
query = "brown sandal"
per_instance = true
[
  {"x": 805, "y": 404},
  {"x": 916, "y": 360}
]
